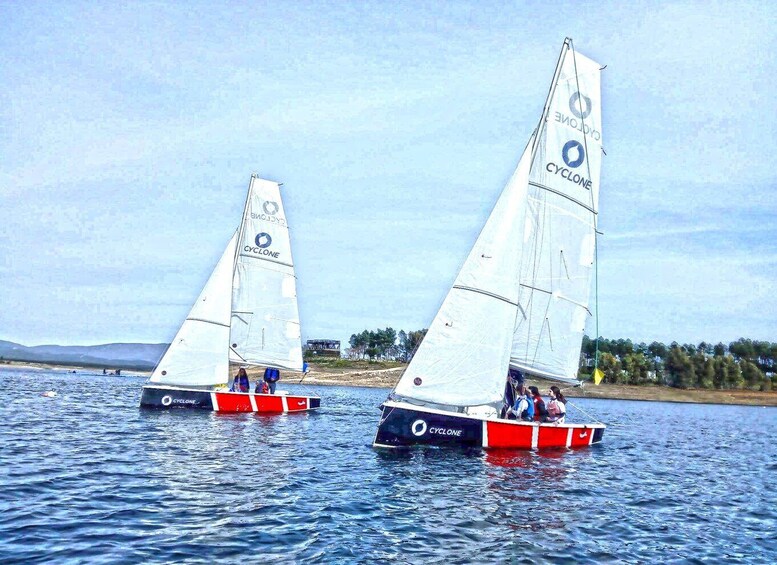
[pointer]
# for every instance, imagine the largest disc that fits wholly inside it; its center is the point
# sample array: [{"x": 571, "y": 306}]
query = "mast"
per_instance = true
[
  {"x": 240, "y": 230},
  {"x": 549, "y": 98}
]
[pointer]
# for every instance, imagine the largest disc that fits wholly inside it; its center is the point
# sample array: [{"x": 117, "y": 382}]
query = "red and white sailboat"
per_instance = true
[
  {"x": 520, "y": 300},
  {"x": 246, "y": 314}
]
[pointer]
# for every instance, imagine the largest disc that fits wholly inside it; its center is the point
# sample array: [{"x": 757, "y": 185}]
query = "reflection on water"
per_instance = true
[{"x": 87, "y": 476}]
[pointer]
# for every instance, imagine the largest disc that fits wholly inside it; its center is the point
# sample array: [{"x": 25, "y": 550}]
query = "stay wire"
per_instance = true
[{"x": 595, "y": 215}]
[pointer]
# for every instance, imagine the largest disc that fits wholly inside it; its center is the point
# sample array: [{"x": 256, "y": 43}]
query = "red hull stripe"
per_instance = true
[
  {"x": 502, "y": 434},
  {"x": 552, "y": 437},
  {"x": 523, "y": 436},
  {"x": 240, "y": 402},
  {"x": 233, "y": 402}
]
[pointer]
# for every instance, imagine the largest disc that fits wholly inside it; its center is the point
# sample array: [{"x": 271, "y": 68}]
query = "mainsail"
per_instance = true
[
  {"x": 198, "y": 355},
  {"x": 265, "y": 318},
  {"x": 559, "y": 242},
  {"x": 521, "y": 297}
]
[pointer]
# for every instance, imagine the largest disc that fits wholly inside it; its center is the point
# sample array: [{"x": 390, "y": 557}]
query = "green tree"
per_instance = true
[
  {"x": 752, "y": 375},
  {"x": 611, "y": 368},
  {"x": 636, "y": 367},
  {"x": 680, "y": 368},
  {"x": 704, "y": 368},
  {"x": 734, "y": 378}
]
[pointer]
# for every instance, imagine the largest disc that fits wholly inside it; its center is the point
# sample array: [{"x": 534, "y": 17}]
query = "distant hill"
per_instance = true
[{"x": 138, "y": 356}]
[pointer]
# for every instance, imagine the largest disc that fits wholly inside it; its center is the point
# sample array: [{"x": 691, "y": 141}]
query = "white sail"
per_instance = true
[
  {"x": 265, "y": 319},
  {"x": 559, "y": 241},
  {"x": 198, "y": 355},
  {"x": 463, "y": 359}
]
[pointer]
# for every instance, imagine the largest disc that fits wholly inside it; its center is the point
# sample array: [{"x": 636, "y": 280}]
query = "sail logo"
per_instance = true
[
  {"x": 573, "y": 155},
  {"x": 270, "y": 209},
  {"x": 581, "y": 108},
  {"x": 418, "y": 428},
  {"x": 262, "y": 240},
  {"x": 167, "y": 400},
  {"x": 576, "y": 105},
  {"x": 569, "y": 146}
]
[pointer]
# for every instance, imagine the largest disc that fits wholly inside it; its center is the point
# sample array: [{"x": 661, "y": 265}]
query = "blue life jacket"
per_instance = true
[
  {"x": 529, "y": 410},
  {"x": 271, "y": 375}
]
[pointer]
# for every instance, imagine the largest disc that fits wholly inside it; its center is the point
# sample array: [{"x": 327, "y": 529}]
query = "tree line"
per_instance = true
[
  {"x": 742, "y": 364},
  {"x": 386, "y": 344}
]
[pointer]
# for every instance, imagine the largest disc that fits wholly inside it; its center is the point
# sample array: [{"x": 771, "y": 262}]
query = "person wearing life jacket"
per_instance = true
[
  {"x": 540, "y": 412},
  {"x": 241, "y": 384},
  {"x": 523, "y": 409},
  {"x": 271, "y": 377},
  {"x": 557, "y": 409},
  {"x": 513, "y": 384},
  {"x": 262, "y": 388}
]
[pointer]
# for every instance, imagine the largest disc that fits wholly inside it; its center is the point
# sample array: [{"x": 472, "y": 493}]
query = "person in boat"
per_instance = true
[
  {"x": 241, "y": 383},
  {"x": 271, "y": 377},
  {"x": 540, "y": 412},
  {"x": 513, "y": 384},
  {"x": 523, "y": 409},
  {"x": 557, "y": 409},
  {"x": 262, "y": 388}
]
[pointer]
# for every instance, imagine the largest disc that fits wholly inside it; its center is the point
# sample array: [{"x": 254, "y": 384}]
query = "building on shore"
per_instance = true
[{"x": 323, "y": 347}]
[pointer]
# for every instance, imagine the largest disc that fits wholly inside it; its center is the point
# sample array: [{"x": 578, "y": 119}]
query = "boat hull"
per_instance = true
[
  {"x": 404, "y": 425},
  {"x": 165, "y": 397}
]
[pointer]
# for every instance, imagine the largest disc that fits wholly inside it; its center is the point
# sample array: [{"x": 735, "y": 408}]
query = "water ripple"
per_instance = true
[{"x": 88, "y": 477}]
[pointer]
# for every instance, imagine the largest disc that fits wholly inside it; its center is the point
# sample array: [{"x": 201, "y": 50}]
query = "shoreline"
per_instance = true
[
  {"x": 360, "y": 374},
  {"x": 387, "y": 378}
]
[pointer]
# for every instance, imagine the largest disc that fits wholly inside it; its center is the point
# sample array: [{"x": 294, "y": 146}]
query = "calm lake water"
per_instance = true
[{"x": 89, "y": 477}]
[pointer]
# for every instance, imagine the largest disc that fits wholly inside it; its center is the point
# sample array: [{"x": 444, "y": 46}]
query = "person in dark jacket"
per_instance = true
[
  {"x": 540, "y": 412},
  {"x": 241, "y": 383}
]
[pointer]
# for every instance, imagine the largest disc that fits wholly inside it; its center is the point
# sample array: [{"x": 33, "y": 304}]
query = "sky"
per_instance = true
[{"x": 128, "y": 134}]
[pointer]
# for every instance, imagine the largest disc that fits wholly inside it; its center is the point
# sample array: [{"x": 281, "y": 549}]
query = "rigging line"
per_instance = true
[
  {"x": 539, "y": 337},
  {"x": 593, "y": 206},
  {"x": 594, "y": 418},
  {"x": 541, "y": 128},
  {"x": 582, "y": 125},
  {"x": 232, "y": 349},
  {"x": 535, "y": 288},
  {"x": 541, "y": 197}
]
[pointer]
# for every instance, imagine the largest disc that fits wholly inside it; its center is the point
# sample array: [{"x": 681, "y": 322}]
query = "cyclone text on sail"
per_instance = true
[
  {"x": 569, "y": 175},
  {"x": 579, "y": 125}
]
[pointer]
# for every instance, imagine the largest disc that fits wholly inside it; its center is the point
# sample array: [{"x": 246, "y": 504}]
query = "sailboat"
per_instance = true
[
  {"x": 246, "y": 314},
  {"x": 520, "y": 300}
]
